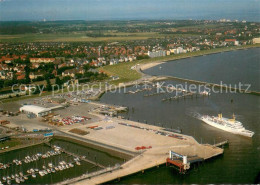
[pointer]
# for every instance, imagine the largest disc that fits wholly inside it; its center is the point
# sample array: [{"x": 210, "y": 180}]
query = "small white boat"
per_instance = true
[
  {"x": 71, "y": 165},
  {"x": 33, "y": 175},
  {"x": 21, "y": 179},
  {"x": 41, "y": 173},
  {"x": 50, "y": 165},
  {"x": 17, "y": 180}
]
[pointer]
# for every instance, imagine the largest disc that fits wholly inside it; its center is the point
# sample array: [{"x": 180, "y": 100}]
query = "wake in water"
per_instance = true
[
  {"x": 194, "y": 114},
  {"x": 197, "y": 115}
]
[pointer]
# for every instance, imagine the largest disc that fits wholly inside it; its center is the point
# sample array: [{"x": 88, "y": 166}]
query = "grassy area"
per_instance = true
[
  {"x": 77, "y": 37},
  {"x": 82, "y": 37},
  {"x": 10, "y": 143},
  {"x": 123, "y": 70}
]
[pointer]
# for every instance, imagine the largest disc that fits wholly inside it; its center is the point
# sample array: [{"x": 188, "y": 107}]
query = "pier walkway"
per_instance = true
[
  {"x": 89, "y": 175},
  {"x": 221, "y": 143},
  {"x": 224, "y": 87},
  {"x": 162, "y": 77}
]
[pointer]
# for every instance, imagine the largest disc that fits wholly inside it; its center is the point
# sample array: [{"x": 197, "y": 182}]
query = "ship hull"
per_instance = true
[{"x": 227, "y": 129}]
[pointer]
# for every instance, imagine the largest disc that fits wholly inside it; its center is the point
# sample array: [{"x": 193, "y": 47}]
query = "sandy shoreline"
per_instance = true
[{"x": 150, "y": 65}]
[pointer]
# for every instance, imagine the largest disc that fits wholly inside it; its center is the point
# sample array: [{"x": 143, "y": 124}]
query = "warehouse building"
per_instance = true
[{"x": 37, "y": 110}]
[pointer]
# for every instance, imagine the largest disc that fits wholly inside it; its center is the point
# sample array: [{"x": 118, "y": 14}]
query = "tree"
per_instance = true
[
  {"x": 37, "y": 90},
  {"x": 48, "y": 86},
  {"x": 27, "y": 74},
  {"x": 58, "y": 81},
  {"x": 66, "y": 79},
  {"x": 1, "y": 84},
  {"x": 86, "y": 67},
  {"x": 78, "y": 75},
  {"x": 62, "y": 69}
]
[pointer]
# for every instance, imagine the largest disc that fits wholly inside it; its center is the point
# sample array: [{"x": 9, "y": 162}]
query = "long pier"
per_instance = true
[
  {"x": 154, "y": 94},
  {"x": 212, "y": 85},
  {"x": 89, "y": 175},
  {"x": 221, "y": 143},
  {"x": 178, "y": 97}
]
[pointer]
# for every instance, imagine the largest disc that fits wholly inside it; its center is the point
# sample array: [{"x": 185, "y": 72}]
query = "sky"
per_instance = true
[{"x": 34, "y": 10}]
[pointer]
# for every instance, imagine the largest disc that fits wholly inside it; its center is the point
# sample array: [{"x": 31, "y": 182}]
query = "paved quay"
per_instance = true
[{"x": 129, "y": 135}]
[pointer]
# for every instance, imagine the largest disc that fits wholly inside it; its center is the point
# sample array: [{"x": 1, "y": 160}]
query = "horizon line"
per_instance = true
[{"x": 119, "y": 19}]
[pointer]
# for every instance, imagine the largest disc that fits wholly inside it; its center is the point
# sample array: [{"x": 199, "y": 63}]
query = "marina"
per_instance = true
[{"x": 51, "y": 161}]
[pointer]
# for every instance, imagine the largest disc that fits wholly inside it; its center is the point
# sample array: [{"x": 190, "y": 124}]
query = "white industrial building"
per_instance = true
[
  {"x": 159, "y": 53},
  {"x": 37, "y": 110}
]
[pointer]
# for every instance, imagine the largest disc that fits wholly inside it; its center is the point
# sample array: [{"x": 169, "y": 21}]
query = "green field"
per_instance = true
[
  {"x": 81, "y": 37},
  {"x": 10, "y": 143},
  {"x": 123, "y": 71},
  {"x": 77, "y": 37}
]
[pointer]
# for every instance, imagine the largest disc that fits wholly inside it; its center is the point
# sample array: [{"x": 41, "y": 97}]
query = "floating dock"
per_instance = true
[{"x": 183, "y": 163}]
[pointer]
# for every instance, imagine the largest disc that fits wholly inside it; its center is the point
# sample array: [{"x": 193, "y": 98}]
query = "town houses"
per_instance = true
[
  {"x": 37, "y": 61},
  {"x": 42, "y": 60}
]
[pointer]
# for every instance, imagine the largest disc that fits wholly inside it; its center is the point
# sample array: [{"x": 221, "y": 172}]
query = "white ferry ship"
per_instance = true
[{"x": 229, "y": 125}]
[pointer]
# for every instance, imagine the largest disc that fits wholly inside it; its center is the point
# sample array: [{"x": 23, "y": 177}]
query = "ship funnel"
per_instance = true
[
  {"x": 233, "y": 118},
  {"x": 185, "y": 160}
]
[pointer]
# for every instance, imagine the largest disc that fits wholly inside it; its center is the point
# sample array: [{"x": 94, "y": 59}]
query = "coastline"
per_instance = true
[
  {"x": 206, "y": 52},
  {"x": 150, "y": 65},
  {"x": 126, "y": 74}
]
